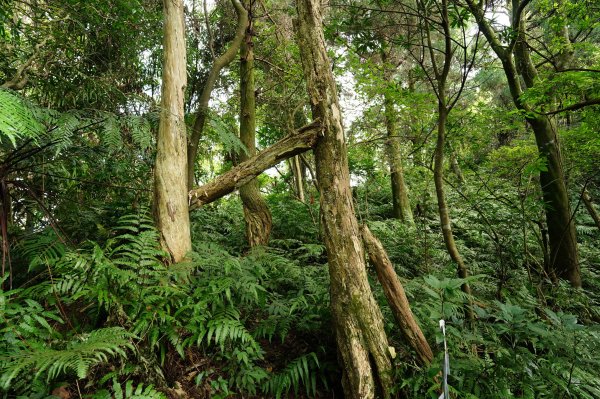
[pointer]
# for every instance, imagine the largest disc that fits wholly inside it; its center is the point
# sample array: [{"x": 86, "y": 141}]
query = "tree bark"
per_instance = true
[
  {"x": 361, "y": 340},
  {"x": 257, "y": 216},
  {"x": 587, "y": 201},
  {"x": 285, "y": 148},
  {"x": 225, "y": 59},
  {"x": 170, "y": 185},
  {"x": 396, "y": 297}
]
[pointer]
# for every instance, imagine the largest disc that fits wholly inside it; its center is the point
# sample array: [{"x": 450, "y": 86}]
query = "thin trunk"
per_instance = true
[
  {"x": 302, "y": 141},
  {"x": 401, "y": 203},
  {"x": 170, "y": 190},
  {"x": 587, "y": 200},
  {"x": 456, "y": 168},
  {"x": 446, "y": 223},
  {"x": 256, "y": 213},
  {"x": 438, "y": 166},
  {"x": 201, "y": 114},
  {"x": 358, "y": 324},
  {"x": 298, "y": 172},
  {"x": 394, "y": 293}
]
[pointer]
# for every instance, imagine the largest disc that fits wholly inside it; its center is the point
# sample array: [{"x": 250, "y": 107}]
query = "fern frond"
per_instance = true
[
  {"x": 18, "y": 119},
  {"x": 77, "y": 357},
  {"x": 301, "y": 371},
  {"x": 111, "y": 134},
  {"x": 130, "y": 392}
]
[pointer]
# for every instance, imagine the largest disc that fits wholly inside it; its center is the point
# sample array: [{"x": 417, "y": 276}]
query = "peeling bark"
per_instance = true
[
  {"x": 170, "y": 185},
  {"x": 361, "y": 340}
]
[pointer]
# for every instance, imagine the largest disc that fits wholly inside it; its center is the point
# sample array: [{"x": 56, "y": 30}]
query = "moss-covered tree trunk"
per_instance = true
[
  {"x": 256, "y": 213},
  {"x": 361, "y": 340},
  {"x": 170, "y": 174}
]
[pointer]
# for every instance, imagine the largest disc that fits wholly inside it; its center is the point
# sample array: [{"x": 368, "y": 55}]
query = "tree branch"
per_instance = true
[{"x": 291, "y": 145}]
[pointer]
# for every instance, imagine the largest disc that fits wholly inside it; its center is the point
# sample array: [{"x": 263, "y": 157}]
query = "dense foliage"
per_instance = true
[{"x": 92, "y": 306}]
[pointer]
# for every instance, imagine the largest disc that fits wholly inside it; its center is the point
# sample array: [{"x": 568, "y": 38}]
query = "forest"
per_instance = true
[{"x": 300, "y": 199}]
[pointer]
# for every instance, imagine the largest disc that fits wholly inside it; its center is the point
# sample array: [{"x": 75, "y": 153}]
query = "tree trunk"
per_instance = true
[
  {"x": 561, "y": 227},
  {"x": 394, "y": 293},
  {"x": 170, "y": 185},
  {"x": 225, "y": 59},
  {"x": 233, "y": 179},
  {"x": 256, "y": 213},
  {"x": 446, "y": 223},
  {"x": 401, "y": 203},
  {"x": 564, "y": 261},
  {"x": 361, "y": 340},
  {"x": 299, "y": 172},
  {"x": 456, "y": 168},
  {"x": 587, "y": 200}
]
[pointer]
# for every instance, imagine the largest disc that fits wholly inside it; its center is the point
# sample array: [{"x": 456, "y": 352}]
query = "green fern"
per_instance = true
[
  {"x": 141, "y": 133},
  {"x": 130, "y": 392},
  {"x": 111, "y": 134},
  {"x": 77, "y": 357},
  {"x": 300, "y": 371},
  {"x": 18, "y": 118}
]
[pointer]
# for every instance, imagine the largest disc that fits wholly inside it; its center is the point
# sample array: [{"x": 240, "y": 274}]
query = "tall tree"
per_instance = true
[
  {"x": 170, "y": 177},
  {"x": 519, "y": 68},
  {"x": 441, "y": 55},
  {"x": 256, "y": 213},
  {"x": 361, "y": 340}
]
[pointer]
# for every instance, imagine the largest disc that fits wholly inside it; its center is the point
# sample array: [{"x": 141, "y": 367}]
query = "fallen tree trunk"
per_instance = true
[
  {"x": 394, "y": 293},
  {"x": 291, "y": 145}
]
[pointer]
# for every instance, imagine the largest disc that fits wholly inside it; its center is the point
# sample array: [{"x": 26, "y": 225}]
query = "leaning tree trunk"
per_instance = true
[
  {"x": 396, "y": 297},
  {"x": 301, "y": 141},
  {"x": 564, "y": 262},
  {"x": 256, "y": 213},
  {"x": 361, "y": 340},
  {"x": 170, "y": 183}
]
